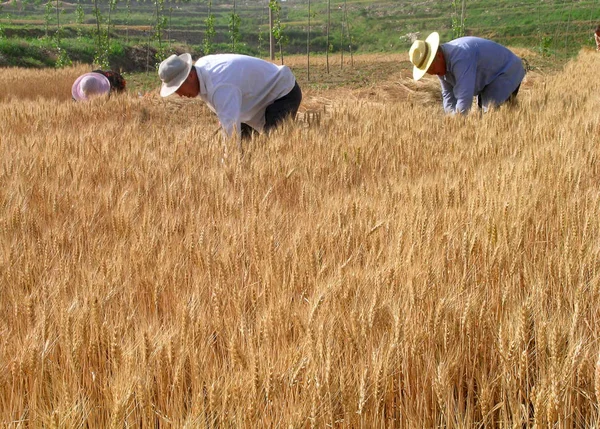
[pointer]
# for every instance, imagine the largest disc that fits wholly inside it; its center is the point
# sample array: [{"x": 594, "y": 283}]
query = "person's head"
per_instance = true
[
  {"x": 90, "y": 85},
  {"x": 438, "y": 66},
  {"x": 426, "y": 57},
  {"x": 117, "y": 81},
  {"x": 178, "y": 76}
]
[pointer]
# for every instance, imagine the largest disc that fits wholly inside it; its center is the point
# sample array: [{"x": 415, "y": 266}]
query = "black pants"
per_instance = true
[
  {"x": 512, "y": 98},
  {"x": 278, "y": 111}
]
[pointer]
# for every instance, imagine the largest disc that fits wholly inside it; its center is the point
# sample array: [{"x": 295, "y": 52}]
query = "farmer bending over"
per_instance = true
[
  {"x": 468, "y": 67},
  {"x": 247, "y": 94}
]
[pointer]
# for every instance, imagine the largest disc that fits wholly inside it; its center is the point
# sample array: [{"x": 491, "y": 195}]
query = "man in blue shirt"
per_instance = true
[{"x": 468, "y": 67}]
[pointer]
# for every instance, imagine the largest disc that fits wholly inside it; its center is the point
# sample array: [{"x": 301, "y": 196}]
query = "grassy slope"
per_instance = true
[{"x": 557, "y": 27}]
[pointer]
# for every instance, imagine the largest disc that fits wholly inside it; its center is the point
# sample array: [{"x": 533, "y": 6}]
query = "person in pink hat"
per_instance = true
[
  {"x": 248, "y": 94},
  {"x": 90, "y": 85},
  {"x": 97, "y": 83}
]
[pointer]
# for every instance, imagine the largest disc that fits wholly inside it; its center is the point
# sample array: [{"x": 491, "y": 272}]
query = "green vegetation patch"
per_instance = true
[{"x": 36, "y": 34}]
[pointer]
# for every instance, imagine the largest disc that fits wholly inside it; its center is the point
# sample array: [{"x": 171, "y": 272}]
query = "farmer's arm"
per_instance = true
[
  {"x": 465, "y": 73},
  {"x": 448, "y": 99},
  {"x": 227, "y": 100}
]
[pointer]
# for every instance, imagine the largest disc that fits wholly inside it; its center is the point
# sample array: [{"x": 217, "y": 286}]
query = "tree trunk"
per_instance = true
[
  {"x": 462, "y": 18},
  {"x": 348, "y": 34},
  {"x": 308, "y": 46},
  {"x": 170, "y": 23},
  {"x": 108, "y": 24},
  {"x": 271, "y": 37},
  {"x": 97, "y": 13},
  {"x": 342, "y": 46},
  {"x": 328, "y": 25},
  {"x": 57, "y": 20}
]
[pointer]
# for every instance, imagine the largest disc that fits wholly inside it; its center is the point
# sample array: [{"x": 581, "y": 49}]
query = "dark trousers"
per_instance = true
[
  {"x": 512, "y": 99},
  {"x": 278, "y": 111}
]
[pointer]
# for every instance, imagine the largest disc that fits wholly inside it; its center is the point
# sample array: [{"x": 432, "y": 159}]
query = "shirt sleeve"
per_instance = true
[
  {"x": 465, "y": 74},
  {"x": 227, "y": 100},
  {"x": 448, "y": 99}
]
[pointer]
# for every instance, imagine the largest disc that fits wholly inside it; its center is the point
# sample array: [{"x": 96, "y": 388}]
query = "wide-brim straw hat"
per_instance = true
[
  {"x": 422, "y": 53},
  {"x": 90, "y": 85},
  {"x": 173, "y": 72}
]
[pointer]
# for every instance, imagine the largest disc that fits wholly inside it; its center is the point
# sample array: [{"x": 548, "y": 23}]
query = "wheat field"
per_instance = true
[{"x": 374, "y": 264}]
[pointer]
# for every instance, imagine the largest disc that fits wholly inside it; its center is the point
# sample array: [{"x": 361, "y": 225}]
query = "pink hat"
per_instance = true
[{"x": 90, "y": 85}]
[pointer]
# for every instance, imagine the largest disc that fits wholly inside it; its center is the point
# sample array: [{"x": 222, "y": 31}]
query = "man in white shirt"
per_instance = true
[{"x": 247, "y": 94}]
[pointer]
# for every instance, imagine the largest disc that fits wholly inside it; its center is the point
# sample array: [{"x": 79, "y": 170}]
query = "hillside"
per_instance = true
[{"x": 555, "y": 28}]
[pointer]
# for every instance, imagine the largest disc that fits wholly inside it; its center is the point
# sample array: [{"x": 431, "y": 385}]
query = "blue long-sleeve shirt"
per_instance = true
[{"x": 476, "y": 66}]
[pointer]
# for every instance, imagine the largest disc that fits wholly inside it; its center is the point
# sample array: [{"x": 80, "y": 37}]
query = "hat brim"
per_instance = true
[
  {"x": 433, "y": 42},
  {"x": 78, "y": 94},
  {"x": 169, "y": 88}
]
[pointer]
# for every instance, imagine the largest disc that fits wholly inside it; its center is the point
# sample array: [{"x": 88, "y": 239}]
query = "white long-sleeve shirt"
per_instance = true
[{"x": 238, "y": 88}]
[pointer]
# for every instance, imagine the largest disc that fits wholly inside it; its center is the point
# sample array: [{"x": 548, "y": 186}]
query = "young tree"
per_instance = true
[
  {"x": 58, "y": 10},
  {"x": 348, "y": 33},
  {"x": 1, "y": 27},
  {"x": 328, "y": 25},
  {"x": 234, "y": 27},
  {"x": 101, "y": 51},
  {"x": 278, "y": 28},
  {"x": 271, "y": 37},
  {"x": 98, "y": 17},
  {"x": 47, "y": 18},
  {"x": 210, "y": 33},
  {"x": 62, "y": 57},
  {"x": 127, "y": 18},
  {"x": 544, "y": 42},
  {"x": 308, "y": 45},
  {"x": 261, "y": 39},
  {"x": 567, "y": 32},
  {"x": 170, "y": 23},
  {"x": 342, "y": 40},
  {"x": 458, "y": 20},
  {"x": 159, "y": 27},
  {"x": 112, "y": 5},
  {"x": 79, "y": 18}
]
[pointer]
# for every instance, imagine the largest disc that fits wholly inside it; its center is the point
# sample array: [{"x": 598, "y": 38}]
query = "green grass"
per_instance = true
[{"x": 559, "y": 27}]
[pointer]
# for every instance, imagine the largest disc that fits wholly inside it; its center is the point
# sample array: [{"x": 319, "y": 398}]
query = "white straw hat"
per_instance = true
[
  {"x": 173, "y": 72},
  {"x": 422, "y": 53},
  {"x": 90, "y": 85}
]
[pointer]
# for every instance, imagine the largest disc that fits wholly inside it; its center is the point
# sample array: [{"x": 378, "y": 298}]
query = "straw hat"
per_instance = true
[
  {"x": 173, "y": 72},
  {"x": 422, "y": 53},
  {"x": 90, "y": 85}
]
